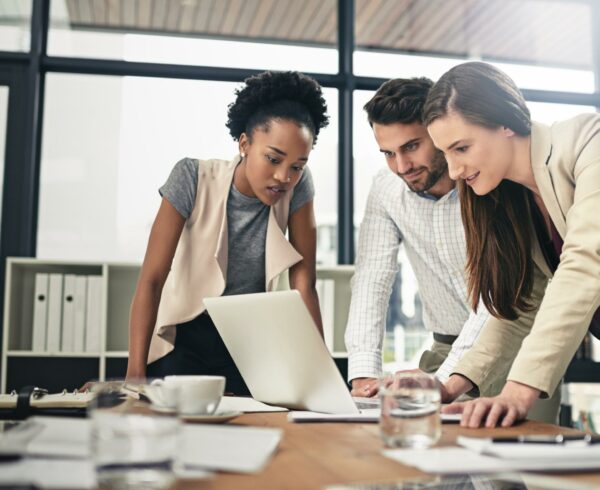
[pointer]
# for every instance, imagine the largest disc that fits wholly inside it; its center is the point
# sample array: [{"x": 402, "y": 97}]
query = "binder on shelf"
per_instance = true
[
  {"x": 55, "y": 300},
  {"x": 40, "y": 312},
  {"x": 93, "y": 317},
  {"x": 326, "y": 293},
  {"x": 79, "y": 313},
  {"x": 68, "y": 316}
]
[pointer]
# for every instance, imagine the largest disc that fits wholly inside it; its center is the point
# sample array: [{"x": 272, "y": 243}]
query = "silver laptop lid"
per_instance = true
[{"x": 279, "y": 352}]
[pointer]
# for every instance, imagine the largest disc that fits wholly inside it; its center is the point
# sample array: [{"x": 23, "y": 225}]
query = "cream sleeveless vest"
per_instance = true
[{"x": 199, "y": 267}]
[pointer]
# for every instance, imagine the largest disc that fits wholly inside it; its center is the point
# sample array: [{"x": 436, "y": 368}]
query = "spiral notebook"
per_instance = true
[{"x": 37, "y": 401}]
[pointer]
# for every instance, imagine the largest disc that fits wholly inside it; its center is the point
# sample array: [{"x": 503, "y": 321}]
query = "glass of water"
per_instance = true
[
  {"x": 131, "y": 447},
  {"x": 410, "y": 410}
]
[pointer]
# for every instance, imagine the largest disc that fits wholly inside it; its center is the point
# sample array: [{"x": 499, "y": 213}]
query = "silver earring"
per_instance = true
[{"x": 243, "y": 155}]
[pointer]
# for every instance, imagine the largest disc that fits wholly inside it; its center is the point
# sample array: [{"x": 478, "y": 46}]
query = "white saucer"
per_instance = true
[
  {"x": 161, "y": 409},
  {"x": 216, "y": 418}
]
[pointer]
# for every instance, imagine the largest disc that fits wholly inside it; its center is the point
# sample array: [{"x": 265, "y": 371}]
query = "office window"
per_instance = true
[
  {"x": 324, "y": 167},
  {"x": 103, "y": 158},
  {"x": 260, "y": 34},
  {"x": 15, "y": 21},
  {"x": 548, "y": 113},
  {"x": 427, "y": 37},
  {"x": 4, "y": 91}
]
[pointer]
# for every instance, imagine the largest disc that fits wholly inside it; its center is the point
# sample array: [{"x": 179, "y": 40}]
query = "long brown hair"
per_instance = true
[{"x": 498, "y": 226}]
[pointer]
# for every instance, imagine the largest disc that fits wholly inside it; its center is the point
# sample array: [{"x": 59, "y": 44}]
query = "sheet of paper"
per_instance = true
[
  {"x": 203, "y": 447},
  {"x": 234, "y": 448},
  {"x": 448, "y": 460},
  {"x": 60, "y": 437},
  {"x": 457, "y": 460},
  {"x": 366, "y": 415},
  {"x": 49, "y": 473},
  {"x": 65, "y": 474},
  {"x": 246, "y": 405},
  {"x": 571, "y": 450}
]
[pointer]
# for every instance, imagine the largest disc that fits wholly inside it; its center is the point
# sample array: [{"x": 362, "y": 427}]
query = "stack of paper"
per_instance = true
[
  {"x": 239, "y": 449},
  {"x": 48, "y": 473},
  {"x": 483, "y": 456},
  {"x": 206, "y": 447},
  {"x": 580, "y": 453},
  {"x": 58, "y": 437}
]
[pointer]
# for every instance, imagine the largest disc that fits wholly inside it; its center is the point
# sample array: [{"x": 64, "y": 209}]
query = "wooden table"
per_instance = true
[{"x": 312, "y": 456}]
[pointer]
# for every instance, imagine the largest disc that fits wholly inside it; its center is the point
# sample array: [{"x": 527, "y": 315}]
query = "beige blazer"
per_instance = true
[
  {"x": 199, "y": 268},
  {"x": 566, "y": 166}
]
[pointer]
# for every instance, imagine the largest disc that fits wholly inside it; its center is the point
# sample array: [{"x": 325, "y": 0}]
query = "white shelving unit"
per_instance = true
[
  {"x": 21, "y": 365},
  {"x": 335, "y": 309}
]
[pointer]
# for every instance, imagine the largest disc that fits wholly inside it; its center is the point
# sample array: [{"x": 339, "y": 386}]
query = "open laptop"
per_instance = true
[{"x": 280, "y": 354}]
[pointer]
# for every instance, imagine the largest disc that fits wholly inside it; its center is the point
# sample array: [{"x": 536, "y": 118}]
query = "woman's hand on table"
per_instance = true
[{"x": 506, "y": 409}]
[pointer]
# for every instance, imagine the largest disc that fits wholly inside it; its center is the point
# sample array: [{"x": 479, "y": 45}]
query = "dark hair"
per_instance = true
[
  {"x": 498, "y": 226},
  {"x": 482, "y": 94},
  {"x": 399, "y": 100},
  {"x": 271, "y": 95}
]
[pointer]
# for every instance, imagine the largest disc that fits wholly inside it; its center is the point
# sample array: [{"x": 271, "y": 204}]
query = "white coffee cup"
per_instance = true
[
  {"x": 162, "y": 394},
  {"x": 197, "y": 395}
]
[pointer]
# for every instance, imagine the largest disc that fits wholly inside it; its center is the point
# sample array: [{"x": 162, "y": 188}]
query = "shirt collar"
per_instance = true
[{"x": 429, "y": 197}]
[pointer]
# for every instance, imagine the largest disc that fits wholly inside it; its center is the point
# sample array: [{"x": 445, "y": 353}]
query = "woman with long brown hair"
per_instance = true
[{"x": 530, "y": 197}]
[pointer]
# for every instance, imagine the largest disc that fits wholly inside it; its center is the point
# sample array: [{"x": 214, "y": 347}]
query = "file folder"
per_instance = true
[
  {"x": 40, "y": 313},
  {"x": 55, "y": 300},
  {"x": 68, "y": 319}
]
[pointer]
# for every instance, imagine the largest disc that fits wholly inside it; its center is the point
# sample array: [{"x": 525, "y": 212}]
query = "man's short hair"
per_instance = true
[{"x": 399, "y": 100}]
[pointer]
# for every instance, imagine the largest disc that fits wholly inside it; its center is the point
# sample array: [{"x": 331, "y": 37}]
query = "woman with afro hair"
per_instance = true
[{"x": 221, "y": 226}]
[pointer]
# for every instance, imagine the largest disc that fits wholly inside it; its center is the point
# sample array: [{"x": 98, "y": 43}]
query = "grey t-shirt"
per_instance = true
[{"x": 247, "y": 219}]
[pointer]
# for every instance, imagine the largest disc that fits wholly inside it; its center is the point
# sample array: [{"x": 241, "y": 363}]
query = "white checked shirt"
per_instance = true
[{"x": 433, "y": 235}]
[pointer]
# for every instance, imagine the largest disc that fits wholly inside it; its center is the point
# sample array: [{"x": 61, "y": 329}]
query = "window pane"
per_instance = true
[
  {"x": 4, "y": 91},
  {"x": 261, "y": 34},
  {"x": 324, "y": 168},
  {"x": 104, "y": 158},
  {"x": 368, "y": 160},
  {"x": 516, "y": 34},
  {"x": 548, "y": 113},
  {"x": 405, "y": 336},
  {"x": 15, "y": 22}
]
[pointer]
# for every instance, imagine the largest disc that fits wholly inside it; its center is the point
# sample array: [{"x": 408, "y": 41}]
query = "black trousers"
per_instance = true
[{"x": 199, "y": 349}]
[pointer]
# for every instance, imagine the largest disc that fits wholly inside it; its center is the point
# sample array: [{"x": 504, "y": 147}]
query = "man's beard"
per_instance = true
[{"x": 435, "y": 172}]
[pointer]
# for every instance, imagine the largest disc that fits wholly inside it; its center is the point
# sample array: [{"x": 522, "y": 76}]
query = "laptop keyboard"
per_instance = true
[{"x": 363, "y": 403}]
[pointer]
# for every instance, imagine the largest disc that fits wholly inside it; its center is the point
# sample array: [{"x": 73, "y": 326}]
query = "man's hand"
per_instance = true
[
  {"x": 366, "y": 387},
  {"x": 506, "y": 409}
]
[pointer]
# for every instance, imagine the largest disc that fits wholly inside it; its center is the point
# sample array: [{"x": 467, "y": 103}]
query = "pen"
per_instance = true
[{"x": 548, "y": 439}]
